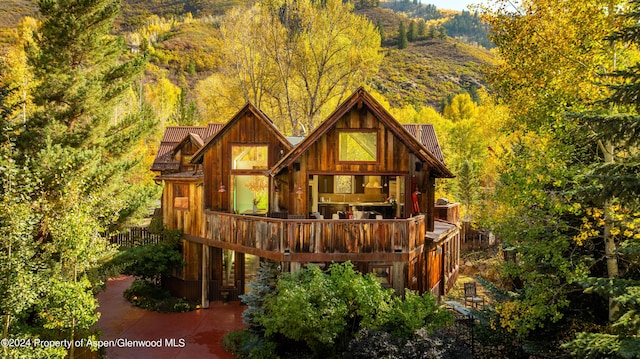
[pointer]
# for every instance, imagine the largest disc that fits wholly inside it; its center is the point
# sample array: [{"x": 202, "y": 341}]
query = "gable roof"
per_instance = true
[
  {"x": 358, "y": 98},
  {"x": 174, "y": 136},
  {"x": 199, "y": 155},
  {"x": 190, "y": 138},
  {"x": 426, "y": 134}
]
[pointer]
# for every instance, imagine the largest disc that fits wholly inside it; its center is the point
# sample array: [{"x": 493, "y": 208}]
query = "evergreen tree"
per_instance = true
[
  {"x": 468, "y": 185},
  {"x": 74, "y": 165},
  {"x": 402, "y": 37},
  {"x": 422, "y": 28},
  {"x": 412, "y": 34},
  {"x": 380, "y": 30},
  {"x": 186, "y": 112},
  {"x": 442, "y": 32},
  {"x": 433, "y": 32},
  {"x": 618, "y": 189},
  {"x": 82, "y": 75},
  {"x": 264, "y": 284}
]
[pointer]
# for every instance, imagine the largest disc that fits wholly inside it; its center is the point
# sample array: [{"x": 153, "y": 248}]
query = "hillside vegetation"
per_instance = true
[
  {"x": 430, "y": 70},
  {"x": 427, "y": 72}
]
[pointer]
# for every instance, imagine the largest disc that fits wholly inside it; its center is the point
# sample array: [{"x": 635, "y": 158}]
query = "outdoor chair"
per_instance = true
[{"x": 470, "y": 296}]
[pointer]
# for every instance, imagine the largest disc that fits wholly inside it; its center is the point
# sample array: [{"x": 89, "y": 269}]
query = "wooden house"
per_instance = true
[{"x": 360, "y": 187}]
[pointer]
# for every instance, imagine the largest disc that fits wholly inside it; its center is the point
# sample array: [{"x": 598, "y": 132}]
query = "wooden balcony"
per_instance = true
[{"x": 315, "y": 240}]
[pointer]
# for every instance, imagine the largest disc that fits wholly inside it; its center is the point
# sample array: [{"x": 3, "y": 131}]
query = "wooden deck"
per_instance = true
[{"x": 313, "y": 239}]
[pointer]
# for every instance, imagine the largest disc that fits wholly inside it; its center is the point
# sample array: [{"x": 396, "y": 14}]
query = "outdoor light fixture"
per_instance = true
[
  {"x": 222, "y": 188},
  {"x": 299, "y": 191}
]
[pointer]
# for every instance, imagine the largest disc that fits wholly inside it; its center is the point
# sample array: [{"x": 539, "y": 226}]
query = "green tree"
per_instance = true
[
  {"x": 468, "y": 186},
  {"x": 73, "y": 162},
  {"x": 552, "y": 64},
  {"x": 186, "y": 112},
  {"x": 442, "y": 33},
  {"x": 433, "y": 32},
  {"x": 20, "y": 283},
  {"x": 325, "y": 311},
  {"x": 415, "y": 312},
  {"x": 380, "y": 30},
  {"x": 412, "y": 33},
  {"x": 402, "y": 39},
  {"x": 617, "y": 183},
  {"x": 263, "y": 285},
  {"x": 421, "y": 29},
  {"x": 153, "y": 261}
]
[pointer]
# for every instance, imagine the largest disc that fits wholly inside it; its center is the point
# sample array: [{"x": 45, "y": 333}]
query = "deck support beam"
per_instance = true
[{"x": 206, "y": 275}]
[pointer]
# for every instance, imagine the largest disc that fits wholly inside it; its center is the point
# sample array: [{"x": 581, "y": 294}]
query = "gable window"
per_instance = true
[
  {"x": 358, "y": 146},
  {"x": 180, "y": 196},
  {"x": 249, "y": 157}
]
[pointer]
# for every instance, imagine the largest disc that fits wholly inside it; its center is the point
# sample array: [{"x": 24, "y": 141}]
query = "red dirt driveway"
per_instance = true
[{"x": 137, "y": 333}]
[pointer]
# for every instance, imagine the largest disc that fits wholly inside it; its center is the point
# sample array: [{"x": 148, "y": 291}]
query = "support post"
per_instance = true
[{"x": 206, "y": 274}]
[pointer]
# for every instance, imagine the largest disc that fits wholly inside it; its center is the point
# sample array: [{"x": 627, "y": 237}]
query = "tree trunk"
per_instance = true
[{"x": 610, "y": 250}]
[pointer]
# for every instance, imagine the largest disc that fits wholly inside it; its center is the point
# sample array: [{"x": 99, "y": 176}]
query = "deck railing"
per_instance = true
[{"x": 317, "y": 235}]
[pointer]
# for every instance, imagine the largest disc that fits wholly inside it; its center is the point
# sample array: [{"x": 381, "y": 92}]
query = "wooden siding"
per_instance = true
[
  {"x": 442, "y": 255},
  {"x": 323, "y": 155},
  {"x": 448, "y": 212},
  {"x": 188, "y": 220},
  {"x": 247, "y": 130},
  {"x": 316, "y": 240},
  {"x": 394, "y": 158}
]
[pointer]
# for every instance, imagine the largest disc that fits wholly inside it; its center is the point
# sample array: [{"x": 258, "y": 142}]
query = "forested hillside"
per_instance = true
[{"x": 184, "y": 39}]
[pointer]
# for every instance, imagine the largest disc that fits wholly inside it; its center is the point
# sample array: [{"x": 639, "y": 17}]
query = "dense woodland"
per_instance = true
[{"x": 542, "y": 133}]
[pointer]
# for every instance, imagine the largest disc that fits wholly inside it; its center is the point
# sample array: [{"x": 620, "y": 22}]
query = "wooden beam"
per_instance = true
[{"x": 206, "y": 276}]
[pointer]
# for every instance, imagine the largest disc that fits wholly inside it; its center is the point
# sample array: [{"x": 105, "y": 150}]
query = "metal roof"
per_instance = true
[
  {"x": 426, "y": 134},
  {"x": 173, "y": 135}
]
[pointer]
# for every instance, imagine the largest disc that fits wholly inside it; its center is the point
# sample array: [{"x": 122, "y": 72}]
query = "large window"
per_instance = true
[
  {"x": 358, "y": 146},
  {"x": 249, "y": 157},
  {"x": 249, "y": 192}
]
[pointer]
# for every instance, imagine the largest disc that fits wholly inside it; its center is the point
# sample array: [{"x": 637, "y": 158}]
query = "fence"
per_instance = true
[
  {"x": 135, "y": 236},
  {"x": 475, "y": 239}
]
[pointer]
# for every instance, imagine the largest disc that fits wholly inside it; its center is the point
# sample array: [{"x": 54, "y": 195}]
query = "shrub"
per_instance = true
[
  {"x": 421, "y": 345},
  {"x": 321, "y": 312},
  {"x": 234, "y": 340},
  {"x": 247, "y": 345},
  {"x": 149, "y": 296},
  {"x": 152, "y": 261},
  {"x": 416, "y": 312}
]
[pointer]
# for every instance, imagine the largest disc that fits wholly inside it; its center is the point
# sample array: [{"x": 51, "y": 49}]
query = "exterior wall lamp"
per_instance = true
[{"x": 222, "y": 188}]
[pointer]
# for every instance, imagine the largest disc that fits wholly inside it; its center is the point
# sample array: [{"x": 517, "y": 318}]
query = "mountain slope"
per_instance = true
[
  {"x": 430, "y": 71},
  {"x": 427, "y": 72}
]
